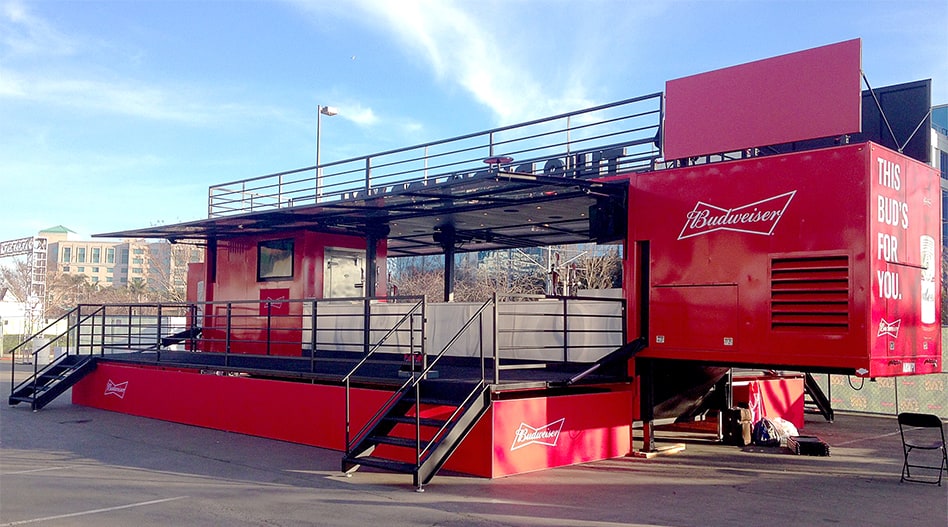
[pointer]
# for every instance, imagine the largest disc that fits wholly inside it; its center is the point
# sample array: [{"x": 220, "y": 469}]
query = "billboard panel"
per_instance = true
[{"x": 804, "y": 95}]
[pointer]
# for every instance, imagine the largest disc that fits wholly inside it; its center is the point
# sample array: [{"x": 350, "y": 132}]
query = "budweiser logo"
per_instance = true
[
  {"x": 759, "y": 217},
  {"x": 547, "y": 434},
  {"x": 116, "y": 389},
  {"x": 889, "y": 328}
]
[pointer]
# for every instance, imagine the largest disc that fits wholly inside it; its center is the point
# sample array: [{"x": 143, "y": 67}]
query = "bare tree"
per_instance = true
[
  {"x": 17, "y": 277},
  {"x": 601, "y": 271}
]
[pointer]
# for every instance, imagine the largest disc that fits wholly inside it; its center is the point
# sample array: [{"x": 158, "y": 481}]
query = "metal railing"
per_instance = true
[
  {"x": 413, "y": 382},
  {"x": 603, "y": 329},
  {"x": 574, "y": 329},
  {"x": 605, "y": 140},
  {"x": 69, "y": 341}
]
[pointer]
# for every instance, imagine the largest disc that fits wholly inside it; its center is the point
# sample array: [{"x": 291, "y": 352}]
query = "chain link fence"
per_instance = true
[{"x": 923, "y": 393}]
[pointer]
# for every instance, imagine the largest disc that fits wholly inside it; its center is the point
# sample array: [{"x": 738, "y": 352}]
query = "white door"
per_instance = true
[{"x": 344, "y": 273}]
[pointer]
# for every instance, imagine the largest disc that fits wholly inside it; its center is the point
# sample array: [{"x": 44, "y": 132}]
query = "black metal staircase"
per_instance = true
[
  {"x": 404, "y": 440},
  {"x": 51, "y": 381},
  {"x": 816, "y": 399}
]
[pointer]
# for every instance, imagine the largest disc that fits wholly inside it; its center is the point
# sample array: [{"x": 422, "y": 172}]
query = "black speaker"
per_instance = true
[{"x": 608, "y": 219}]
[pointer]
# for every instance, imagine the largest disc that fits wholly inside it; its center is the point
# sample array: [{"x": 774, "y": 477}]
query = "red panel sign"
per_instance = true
[
  {"x": 804, "y": 95},
  {"x": 904, "y": 256},
  {"x": 546, "y": 432}
]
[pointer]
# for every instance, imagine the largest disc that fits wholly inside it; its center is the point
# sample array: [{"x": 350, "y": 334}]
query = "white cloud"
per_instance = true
[
  {"x": 358, "y": 114},
  {"x": 23, "y": 34},
  {"x": 468, "y": 44}
]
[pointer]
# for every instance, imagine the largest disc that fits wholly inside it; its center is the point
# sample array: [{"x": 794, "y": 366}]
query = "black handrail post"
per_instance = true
[
  {"x": 366, "y": 325},
  {"x": 348, "y": 437},
  {"x": 565, "y": 331},
  {"x": 269, "y": 324},
  {"x": 228, "y": 325},
  {"x": 158, "y": 333},
  {"x": 312, "y": 338},
  {"x": 192, "y": 316},
  {"x": 128, "y": 325},
  {"x": 418, "y": 425},
  {"x": 480, "y": 345},
  {"x": 35, "y": 371},
  {"x": 495, "y": 351}
]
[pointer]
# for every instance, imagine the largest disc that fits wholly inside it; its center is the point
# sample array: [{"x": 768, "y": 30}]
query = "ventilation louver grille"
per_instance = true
[{"x": 810, "y": 293}]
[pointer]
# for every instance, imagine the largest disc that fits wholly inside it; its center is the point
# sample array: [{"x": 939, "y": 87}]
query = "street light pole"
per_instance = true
[{"x": 328, "y": 111}]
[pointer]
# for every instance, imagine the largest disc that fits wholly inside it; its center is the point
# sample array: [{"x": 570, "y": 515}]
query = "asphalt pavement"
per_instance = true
[{"x": 71, "y": 465}]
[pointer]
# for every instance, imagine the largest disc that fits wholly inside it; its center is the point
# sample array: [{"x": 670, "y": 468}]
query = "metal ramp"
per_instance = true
[{"x": 50, "y": 382}]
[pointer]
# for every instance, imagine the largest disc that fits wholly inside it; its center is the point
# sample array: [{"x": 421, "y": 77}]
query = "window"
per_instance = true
[
  {"x": 110, "y": 255},
  {"x": 138, "y": 251},
  {"x": 65, "y": 268},
  {"x": 81, "y": 254},
  {"x": 80, "y": 269},
  {"x": 95, "y": 269},
  {"x": 95, "y": 279},
  {"x": 275, "y": 260},
  {"x": 96, "y": 254},
  {"x": 108, "y": 279},
  {"x": 67, "y": 256},
  {"x": 137, "y": 270},
  {"x": 110, "y": 270},
  {"x": 124, "y": 256},
  {"x": 137, "y": 260}
]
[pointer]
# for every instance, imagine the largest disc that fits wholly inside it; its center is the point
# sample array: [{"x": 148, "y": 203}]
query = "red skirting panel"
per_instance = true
[
  {"x": 515, "y": 436},
  {"x": 545, "y": 432},
  {"x": 310, "y": 414}
]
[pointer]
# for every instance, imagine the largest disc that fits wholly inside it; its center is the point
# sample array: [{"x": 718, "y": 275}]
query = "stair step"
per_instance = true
[
  {"x": 14, "y": 399},
  {"x": 385, "y": 464},
  {"x": 431, "y": 401},
  {"x": 424, "y": 421},
  {"x": 407, "y": 442}
]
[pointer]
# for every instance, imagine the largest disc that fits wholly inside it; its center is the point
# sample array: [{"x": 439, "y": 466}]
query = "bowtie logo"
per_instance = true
[
  {"x": 116, "y": 389},
  {"x": 889, "y": 328},
  {"x": 760, "y": 217},
  {"x": 547, "y": 434}
]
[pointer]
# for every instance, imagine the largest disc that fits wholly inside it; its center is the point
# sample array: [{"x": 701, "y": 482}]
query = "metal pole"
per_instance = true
[
  {"x": 312, "y": 339},
  {"x": 494, "y": 350},
  {"x": 227, "y": 336},
  {"x": 269, "y": 324},
  {"x": 565, "y": 331},
  {"x": 319, "y": 175}
]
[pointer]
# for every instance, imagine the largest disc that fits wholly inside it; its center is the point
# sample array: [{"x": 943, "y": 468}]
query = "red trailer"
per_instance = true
[
  {"x": 823, "y": 260},
  {"x": 771, "y": 232}
]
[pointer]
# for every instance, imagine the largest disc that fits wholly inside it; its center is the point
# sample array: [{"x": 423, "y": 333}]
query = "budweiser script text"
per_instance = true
[{"x": 760, "y": 217}]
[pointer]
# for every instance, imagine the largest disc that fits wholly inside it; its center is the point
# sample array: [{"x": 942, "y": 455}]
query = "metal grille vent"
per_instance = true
[{"x": 810, "y": 293}]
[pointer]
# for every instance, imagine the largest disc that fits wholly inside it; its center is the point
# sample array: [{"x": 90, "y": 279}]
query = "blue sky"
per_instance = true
[{"x": 119, "y": 114}]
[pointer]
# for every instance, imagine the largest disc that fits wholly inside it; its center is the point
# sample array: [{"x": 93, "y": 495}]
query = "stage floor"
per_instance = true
[{"x": 382, "y": 371}]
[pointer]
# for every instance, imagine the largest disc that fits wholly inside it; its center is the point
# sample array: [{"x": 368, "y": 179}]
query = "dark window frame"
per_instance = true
[{"x": 272, "y": 258}]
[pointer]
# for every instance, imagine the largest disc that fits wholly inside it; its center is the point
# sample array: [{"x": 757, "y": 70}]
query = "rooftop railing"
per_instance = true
[{"x": 610, "y": 139}]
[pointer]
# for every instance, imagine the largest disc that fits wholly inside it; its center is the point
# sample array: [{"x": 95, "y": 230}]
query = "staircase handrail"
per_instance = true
[
  {"x": 40, "y": 332},
  {"x": 378, "y": 345},
  {"x": 412, "y": 382},
  {"x": 415, "y": 383},
  {"x": 347, "y": 379},
  {"x": 36, "y": 370}
]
